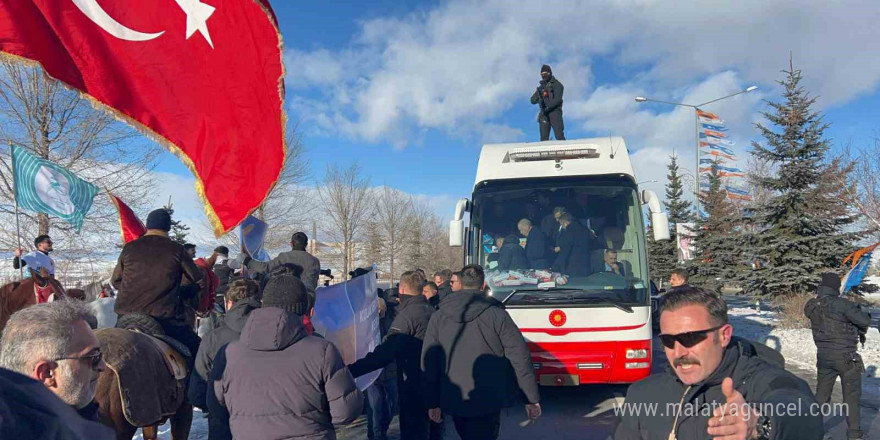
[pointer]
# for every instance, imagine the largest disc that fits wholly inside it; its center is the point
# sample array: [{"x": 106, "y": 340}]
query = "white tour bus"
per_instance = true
[{"x": 584, "y": 323}]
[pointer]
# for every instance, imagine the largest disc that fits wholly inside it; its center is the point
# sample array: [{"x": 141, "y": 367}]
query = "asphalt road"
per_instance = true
[{"x": 586, "y": 412}]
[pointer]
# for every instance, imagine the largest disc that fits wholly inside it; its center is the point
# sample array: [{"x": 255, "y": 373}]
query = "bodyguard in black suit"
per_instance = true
[
  {"x": 536, "y": 245},
  {"x": 572, "y": 248}
]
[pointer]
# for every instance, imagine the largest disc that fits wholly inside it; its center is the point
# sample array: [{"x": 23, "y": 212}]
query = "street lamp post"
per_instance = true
[{"x": 697, "y": 134}]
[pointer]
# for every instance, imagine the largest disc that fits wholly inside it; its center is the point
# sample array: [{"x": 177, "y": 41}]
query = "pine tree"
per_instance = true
[
  {"x": 663, "y": 255},
  {"x": 801, "y": 226},
  {"x": 178, "y": 229},
  {"x": 716, "y": 256}
]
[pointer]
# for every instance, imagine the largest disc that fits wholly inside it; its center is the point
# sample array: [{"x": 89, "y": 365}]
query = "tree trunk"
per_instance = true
[{"x": 43, "y": 219}]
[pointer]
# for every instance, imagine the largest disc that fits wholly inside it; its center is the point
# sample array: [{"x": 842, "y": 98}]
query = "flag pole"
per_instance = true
[{"x": 17, "y": 224}]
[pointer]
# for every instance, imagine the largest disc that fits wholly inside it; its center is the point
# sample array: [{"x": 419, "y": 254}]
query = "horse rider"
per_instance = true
[
  {"x": 38, "y": 259},
  {"x": 148, "y": 279}
]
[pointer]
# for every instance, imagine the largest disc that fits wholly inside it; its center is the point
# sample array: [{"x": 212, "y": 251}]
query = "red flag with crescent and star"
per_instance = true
[
  {"x": 203, "y": 78},
  {"x": 130, "y": 226}
]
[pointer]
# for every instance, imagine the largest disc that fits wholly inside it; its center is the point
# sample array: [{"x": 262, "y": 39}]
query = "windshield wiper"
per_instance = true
[
  {"x": 593, "y": 299},
  {"x": 606, "y": 301},
  {"x": 549, "y": 289}
]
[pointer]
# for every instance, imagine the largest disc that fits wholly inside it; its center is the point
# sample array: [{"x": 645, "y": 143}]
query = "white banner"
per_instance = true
[
  {"x": 684, "y": 241},
  {"x": 347, "y": 314}
]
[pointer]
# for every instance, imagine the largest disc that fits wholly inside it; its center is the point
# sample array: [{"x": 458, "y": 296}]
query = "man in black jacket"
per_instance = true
[
  {"x": 837, "y": 326},
  {"x": 536, "y": 245},
  {"x": 511, "y": 255},
  {"x": 549, "y": 96},
  {"x": 490, "y": 367},
  {"x": 404, "y": 345},
  {"x": 443, "y": 280},
  {"x": 715, "y": 386},
  {"x": 572, "y": 248},
  {"x": 241, "y": 300}
]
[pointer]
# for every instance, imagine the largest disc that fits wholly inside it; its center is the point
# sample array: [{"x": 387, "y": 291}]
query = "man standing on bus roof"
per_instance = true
[{"x": 549, "y": 97}]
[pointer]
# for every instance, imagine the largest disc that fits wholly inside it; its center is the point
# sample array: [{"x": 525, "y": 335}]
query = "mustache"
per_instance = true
[{"x": 685, "y": 361}]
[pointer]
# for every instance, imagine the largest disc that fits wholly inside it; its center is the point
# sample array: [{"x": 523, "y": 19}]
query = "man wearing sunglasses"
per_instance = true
[
  {"x": 716, "y": 385},
  {"x": 53, "y": 343}
]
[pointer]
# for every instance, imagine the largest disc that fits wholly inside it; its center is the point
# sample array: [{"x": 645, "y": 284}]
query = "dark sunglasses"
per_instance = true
[
  {"x": 93, "y": 359},
  {"x": 688, "y": 339}
]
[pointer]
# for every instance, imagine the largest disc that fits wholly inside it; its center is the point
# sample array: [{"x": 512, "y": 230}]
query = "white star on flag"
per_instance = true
[{"x": 197, "y": 14}]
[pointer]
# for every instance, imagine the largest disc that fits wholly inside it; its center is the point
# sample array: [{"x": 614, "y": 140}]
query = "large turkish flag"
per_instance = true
[
  {"x": 204, "y": 78},
  {"x": 130, "y": 226}
]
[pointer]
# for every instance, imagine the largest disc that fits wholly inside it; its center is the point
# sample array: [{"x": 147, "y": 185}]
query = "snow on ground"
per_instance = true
[
  {"x": 797, "y": 345},
  {"x": 199, "y": 430},
  {"x": 873, "y": 297}
]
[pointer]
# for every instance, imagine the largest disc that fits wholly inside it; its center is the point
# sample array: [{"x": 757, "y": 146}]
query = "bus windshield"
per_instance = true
[{"x": 566, "y": 243}]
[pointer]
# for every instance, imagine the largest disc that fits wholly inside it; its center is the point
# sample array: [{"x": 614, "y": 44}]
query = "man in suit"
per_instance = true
[
  {"x": 511, "y": 255},
  {"x": 536, "y": 245},
  {"x": 572, "y": 248},
  {"x": 550, "y": 224},
  {"x": 612, "y": 265},
  {"x": 298, "y": 256}
]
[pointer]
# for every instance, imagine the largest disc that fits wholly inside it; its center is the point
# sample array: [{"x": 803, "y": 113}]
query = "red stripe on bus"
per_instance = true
[{"x": 565, "y": 331}]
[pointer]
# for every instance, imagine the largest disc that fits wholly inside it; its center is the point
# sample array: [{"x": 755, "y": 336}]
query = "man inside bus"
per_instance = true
[
  {"x": 511, "y": 255},
  {"x": 612, "y": 265},
  {"x": 536, "y": 245},
  {"x": 550, "y": 224},
  {"x": 572, "y": 248}
]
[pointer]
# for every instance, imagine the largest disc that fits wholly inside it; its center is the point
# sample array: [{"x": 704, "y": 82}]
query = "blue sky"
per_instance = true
[{"x": 411, "y": 90}]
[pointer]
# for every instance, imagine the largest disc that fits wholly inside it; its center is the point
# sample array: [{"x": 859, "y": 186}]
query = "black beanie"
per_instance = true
[
  {"x": 830, "y": 279},
  {"x": 159, "y": 219},
  {"x": 546, "y": 68},
  {"x": 286, "y": 292}
]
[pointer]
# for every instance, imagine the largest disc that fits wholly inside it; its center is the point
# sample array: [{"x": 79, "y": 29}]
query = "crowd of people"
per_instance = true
[{"x": 448, "y": 351}]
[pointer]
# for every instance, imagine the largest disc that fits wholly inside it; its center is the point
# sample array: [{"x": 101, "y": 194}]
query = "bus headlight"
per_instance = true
[
  {"x": 635, "y": 365},
  {"x": 640, "y": 353}
]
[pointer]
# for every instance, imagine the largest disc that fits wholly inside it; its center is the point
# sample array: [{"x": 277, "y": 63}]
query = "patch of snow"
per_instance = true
[
  {"x": 199, "y": 430},
  {"x": 797, "y": 345}
]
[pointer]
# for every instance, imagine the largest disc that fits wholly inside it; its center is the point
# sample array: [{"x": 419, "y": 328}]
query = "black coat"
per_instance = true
[
  {"x": 760, "y": 380},
  {"x": 536, "y": 249},
  {"x": 229, "y": 330},
  {"x": 224, "y": 274},
  {"x": 573, "y": 257},
  {"x": 475, "y": 359},
  {"x": 403, "y": 345},
  {"x": 28, "y": 410},
  {"x": 512, "y": 256},
  {"x": 836, "y": 322},
  {"x": 553, "y": 100}
]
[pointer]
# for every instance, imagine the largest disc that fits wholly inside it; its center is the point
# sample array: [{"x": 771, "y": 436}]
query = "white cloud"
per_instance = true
[{"x": 462, "y": 65}]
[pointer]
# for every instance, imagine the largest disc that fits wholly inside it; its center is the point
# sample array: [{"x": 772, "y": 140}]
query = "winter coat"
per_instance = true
[
  {"x": 148, "y": 277},
  {"x": 229, "y": 330},
  {"x": 280, "y": 383},
  {"x": 553, "y": 100},
  {"x": 403, "y": 345},
  {"x": 573, "y": 257},
  {"x": 490, "y": 367},
  {"x": 311, "y": 266},
  {"x": 511, "y": 256},
  {"x": 28, "y": 410},
  {"x": 224, "y": 274},
  {"x": 760, "y": 380},
  {"x": 536, "y": 249},
  {"x": 836, "y": 322}
]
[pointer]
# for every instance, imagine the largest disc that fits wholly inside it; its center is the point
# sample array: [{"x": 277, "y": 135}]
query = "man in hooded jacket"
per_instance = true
[
  {"x": 279, "y": 382},
  {"x": 549, "y": 96},
  {"x": 476, "y": 362},
  {"x": 837, "y": 325},
  {"x": 241, "y": 299}
]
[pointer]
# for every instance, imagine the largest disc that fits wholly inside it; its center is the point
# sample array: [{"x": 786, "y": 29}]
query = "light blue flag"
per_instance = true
[{"x": 45, "y": 187}]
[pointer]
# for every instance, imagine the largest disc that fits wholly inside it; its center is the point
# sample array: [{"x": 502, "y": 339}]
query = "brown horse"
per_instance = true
[
  {"x": 20, "y": 294},
  {"x": 138, "y": 390}
]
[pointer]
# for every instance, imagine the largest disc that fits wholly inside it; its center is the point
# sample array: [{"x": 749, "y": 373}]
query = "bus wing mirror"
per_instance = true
[
  {"x": 660, "y": 224},
  {"x": 659, "y": 220},
  {"x": 456, "y": 232}
]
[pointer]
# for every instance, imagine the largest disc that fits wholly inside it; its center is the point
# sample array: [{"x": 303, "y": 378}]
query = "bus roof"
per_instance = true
[{"x": 569, "y": 158}]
